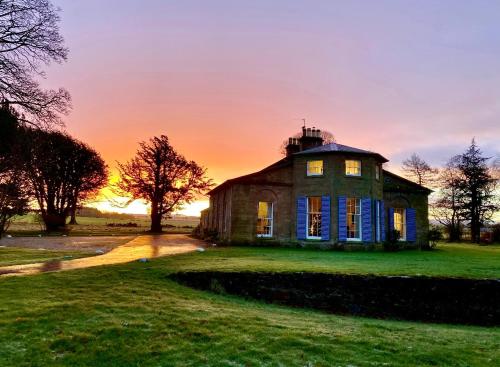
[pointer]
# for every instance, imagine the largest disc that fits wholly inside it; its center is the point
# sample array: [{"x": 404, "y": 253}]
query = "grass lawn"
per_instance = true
[
  {"x": 28, "y": 225},
  {"x": 18, "y": 256},
  {"x": 454, "y": 260},
  {"x": 132, "y": 315}
]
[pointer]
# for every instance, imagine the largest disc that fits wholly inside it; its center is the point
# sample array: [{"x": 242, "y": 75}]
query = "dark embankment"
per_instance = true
[{"x": 449, "y": 300}]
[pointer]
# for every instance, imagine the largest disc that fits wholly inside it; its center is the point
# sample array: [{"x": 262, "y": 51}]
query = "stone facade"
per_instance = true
[{"x": 233, "y": 211}]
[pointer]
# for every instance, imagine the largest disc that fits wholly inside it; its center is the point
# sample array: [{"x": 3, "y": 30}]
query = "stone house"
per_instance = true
[{"x": 324, "y": 194}]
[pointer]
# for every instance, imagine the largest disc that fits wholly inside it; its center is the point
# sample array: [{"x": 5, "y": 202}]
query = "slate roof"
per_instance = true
[
  {"x": 338, "y": 148},
  {"x": 395, "y": 187},
  {"x": 249, "y": 178}
]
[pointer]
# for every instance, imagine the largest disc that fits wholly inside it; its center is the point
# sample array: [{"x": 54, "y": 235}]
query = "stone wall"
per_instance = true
[{"x": 449, "y": 300}]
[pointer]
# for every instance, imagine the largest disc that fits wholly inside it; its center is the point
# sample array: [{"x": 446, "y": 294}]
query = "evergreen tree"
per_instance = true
[{"x": 476, "y": 189}]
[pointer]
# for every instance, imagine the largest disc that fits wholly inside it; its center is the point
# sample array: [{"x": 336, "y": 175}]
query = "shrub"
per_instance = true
[
  {"x": 393, "y": 244},
  {"x": 433, "y": 236}
]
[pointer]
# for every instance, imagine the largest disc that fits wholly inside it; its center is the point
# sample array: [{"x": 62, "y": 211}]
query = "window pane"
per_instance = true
[
  {"x": 400, "y": 222},
  {"x": 314, "y": 217},
  {"x": 353, "y": 218},
  {"x": 352, "y": 168},
  {"x": 265, "y": 219},
  {"x": 314, "y": 168}
]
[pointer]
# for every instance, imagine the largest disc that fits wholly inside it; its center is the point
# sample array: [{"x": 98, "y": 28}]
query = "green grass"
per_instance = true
[
  {"x": 132, "y": 315},
  {"x": 18, "y": 256},
  {"x": 453, "y": 260},
  {"x": 29, "y": 225}
]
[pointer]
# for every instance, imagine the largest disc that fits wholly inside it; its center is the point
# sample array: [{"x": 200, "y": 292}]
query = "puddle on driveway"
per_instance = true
[{"x": 138, "y": 248}]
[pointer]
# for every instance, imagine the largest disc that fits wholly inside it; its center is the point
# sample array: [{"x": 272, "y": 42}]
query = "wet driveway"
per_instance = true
[{"x": 138, "y": 248}]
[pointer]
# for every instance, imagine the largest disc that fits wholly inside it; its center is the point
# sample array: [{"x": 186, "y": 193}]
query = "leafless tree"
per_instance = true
[
  {"x": 446, "y": 208},
  {"x": 162, "y": 177},
  {"x": 29, "y": 39},
  {"x": 418, "y": 170}
]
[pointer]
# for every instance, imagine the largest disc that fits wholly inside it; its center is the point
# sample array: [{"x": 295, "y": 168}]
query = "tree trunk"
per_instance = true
[
  {"x": 54, "y": 222},
  {"x": 73, "y": 214},
  {"x": 155, "y": 218}
]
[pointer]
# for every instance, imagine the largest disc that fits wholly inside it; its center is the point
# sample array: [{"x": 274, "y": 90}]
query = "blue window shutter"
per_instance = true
[
  {"x": 301, "y": 218},
  {"x": 411, "y": 225},
  {"x": 391, "y": 220},
  {"x": 366, "y": 219},
  {"x": 325, "y": 218},
  {"x": 382, "y": 221},
  {"x": 342, "y": 218}
]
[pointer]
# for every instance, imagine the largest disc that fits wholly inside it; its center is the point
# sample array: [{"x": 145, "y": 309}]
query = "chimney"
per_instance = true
[
  {"x": 292, "y": 147},
  {"x": 310, "y": 138}
]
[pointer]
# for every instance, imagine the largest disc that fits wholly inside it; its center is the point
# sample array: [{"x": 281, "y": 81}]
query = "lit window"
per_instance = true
[
  {"x": 314, "y": 217},
  {"x": 377, "y": 172},
  {"x": 400, "y": 222},
  {"x": 314, "y": 168},
  {"x": 353, "y": 219},
  {"x": 265, "y": 219},
  {"x": 352, "y": 168}
]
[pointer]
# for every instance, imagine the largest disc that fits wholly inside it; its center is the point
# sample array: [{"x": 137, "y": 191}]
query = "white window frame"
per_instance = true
[
  {"x": 377, "y": 172},
  {"x": 402, "y": 236},
  {"x": 271, "y": 219},
  {"x": 308, "y": 237},
  {"x": 353, "y": 174},
  {"x": 310, "y": 173},
  {"x": 360, "y": 232}
]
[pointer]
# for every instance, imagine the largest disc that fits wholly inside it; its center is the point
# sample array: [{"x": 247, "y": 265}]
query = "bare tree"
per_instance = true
[
  {"x": 325, "y": 135},
  {"x": 418, "y": 170},
  {"x": 61, "y": 171},
  {"x": 162, "y": 177},
  {"x": 30, "y": 38},
  {"x": 446, "y": 209}
]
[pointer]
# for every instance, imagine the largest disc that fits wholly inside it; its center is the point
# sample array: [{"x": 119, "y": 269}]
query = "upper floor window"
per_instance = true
[
  {"x": 314, "y": 217},
  {"x": 265, "y": 219},
  {"x": 352, "y": 168},
  {"x": 377, "y": 172},
  {"x": 314, "y": 168}
]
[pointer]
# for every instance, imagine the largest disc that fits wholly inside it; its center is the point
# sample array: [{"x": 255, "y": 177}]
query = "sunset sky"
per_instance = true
[{"x": 227, "y": 81}]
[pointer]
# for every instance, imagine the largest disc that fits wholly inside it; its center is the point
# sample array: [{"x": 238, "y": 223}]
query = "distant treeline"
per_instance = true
[{"x": 96, "y": 213}]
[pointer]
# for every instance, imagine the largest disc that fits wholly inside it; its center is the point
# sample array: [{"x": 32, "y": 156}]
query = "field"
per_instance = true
[
  {"x": 132, "y": 315},
  {"x": 29, "y": 225}
]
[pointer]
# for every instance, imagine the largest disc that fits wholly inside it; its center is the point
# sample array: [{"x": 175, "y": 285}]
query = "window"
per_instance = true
[
  {"x": 353, "y": 219},
  {"x": 352, "y": 168},
  {"x": 377, "y": 172},
  {"x": 400, "y": 222},
  {"x": 314, "y": 217},
  {"x": 314, "y": 168},
  {"x": 265, "y": 219},
  {"x": 377, "y": 223}
]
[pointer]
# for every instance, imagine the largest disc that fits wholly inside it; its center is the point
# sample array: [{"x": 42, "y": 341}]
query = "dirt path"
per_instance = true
[{"x": 137, "y": 248}]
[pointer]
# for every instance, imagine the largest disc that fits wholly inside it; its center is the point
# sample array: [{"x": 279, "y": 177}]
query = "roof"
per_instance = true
[
  {"x": 339, "y": 148},
  {"x": 406, "y": 182},
  {"x": 285, "y": 162}
]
